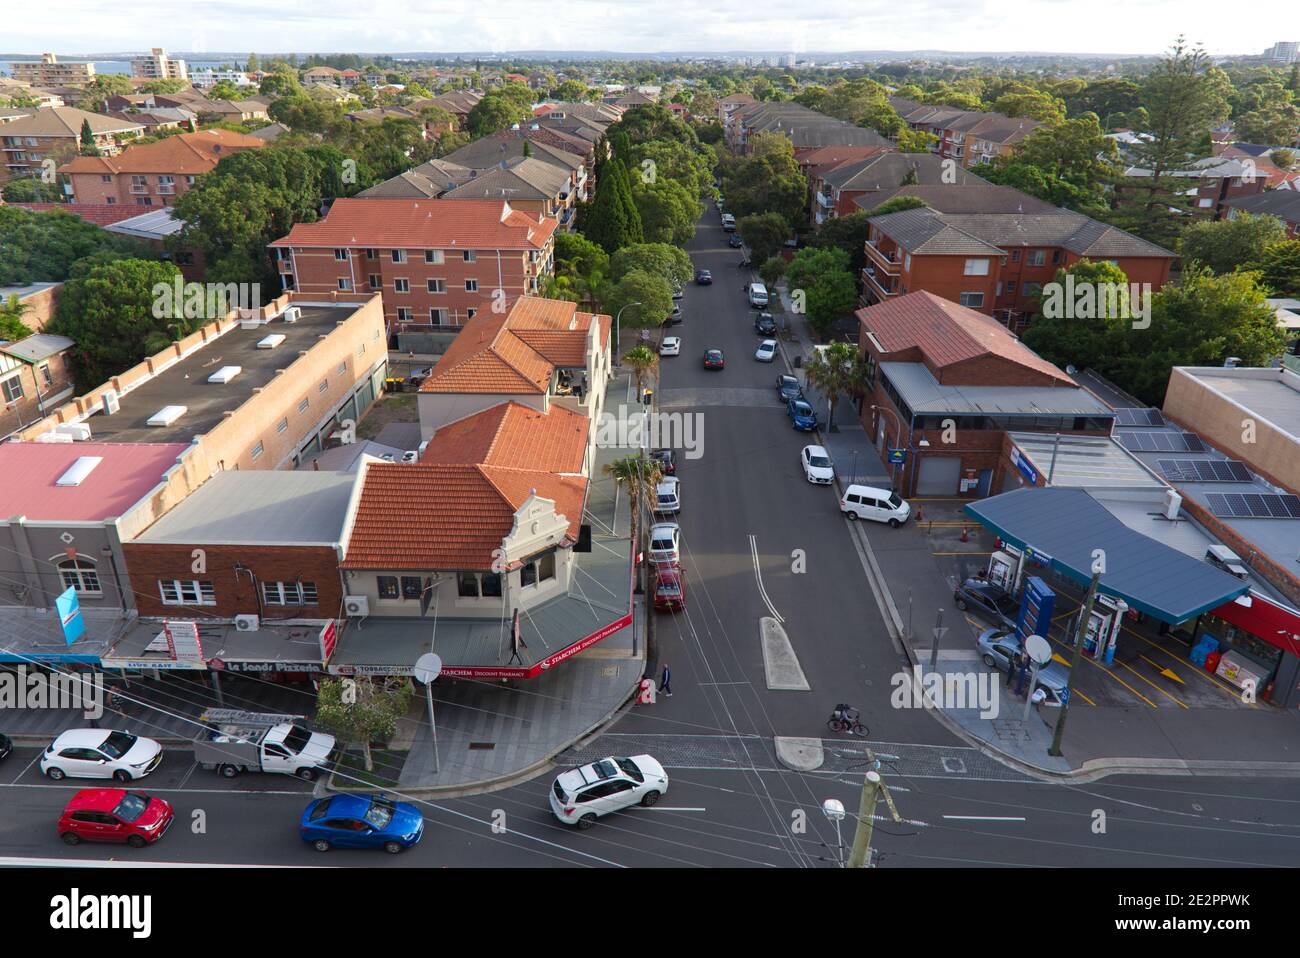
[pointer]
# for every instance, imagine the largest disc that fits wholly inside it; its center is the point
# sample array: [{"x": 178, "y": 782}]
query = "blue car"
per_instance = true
[
  {"x": 361, "y": 821},
  {"x": 802, "y": 415}
]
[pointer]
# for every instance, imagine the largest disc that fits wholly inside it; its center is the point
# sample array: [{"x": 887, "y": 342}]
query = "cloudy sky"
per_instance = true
[{"x": 641, "y": 26}]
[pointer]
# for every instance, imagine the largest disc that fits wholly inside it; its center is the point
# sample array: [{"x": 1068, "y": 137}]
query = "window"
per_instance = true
[
  {"x": 343, "y": 367},
  {"x": 540, "y": 568},
  {"x": 375, "y": 281},
  {"x": 403, "y": 314},
  {"x": 973, "y": 300},
  {"x": 1015, "y": 256},
  {"x": 491, "y": 582},
  {"x": 399, "y": 255},
  {"x": 372, "y": 254},
  {"x": 289, "y": 593},
  {"x": 257, "y": 450},
  {"x": 469, "y": 255},
  {"x": 46, "y": 376},
  {"x": 106, "y": 178},
  {"x": 436, "y": 285},
  {"x": 433, "y": 256},
  {"x": 387, "y": 586},
  {"x": 471, "y": 286},
  {"x": 80, "y": 574},
  {"x": 341, "y": 255},
  {"x": 467, "y": 585},
  {"x": 438, "y": 317},
  {"x": 907, "y": 262},
  {"x": 977, "y": 267},
  {"x": 13, "y": 388},
  {"x": 110, "y": 200},
  {"x": 186, "y": 592},
  {"x": 1037, "y": 257},
  {"x": 345, "y": 284},
  {"x": 302, "y": 406},
  {"x": 471, "y": 313},
  {"x": 143, "y": 201},
  {"x": 1011, "y": 286},
  {"x": 1056, "y": 257},
  {"x": 401, "y": 286},
  {"x": 282, "y": 425},
  {"x": 324, "y": 385},
  {"x": 412, "y": 587}
]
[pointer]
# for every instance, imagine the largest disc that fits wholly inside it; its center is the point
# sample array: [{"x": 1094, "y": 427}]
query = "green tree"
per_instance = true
[
  {"x": 12, "y": 311},
  {"x": 252, "y": 65},
  {"x": 581, "y": 268},
  {"x": 1033, "y": 104},
  {"x": 43, "y": 247},
  {"x": 657, "y": 259},
  {"x": 772, "y": 270},
  {"x": 764, "y": 233},
  {"x": 31, "y": 189},
  {"x": 225, "y": 90},
  {"x": 278, "y": 84},
  {"x": 95, "y": 94},
  {"x": 1276, "y": 123},
  {"x": 835, "y": 370},
  {"x": 768, "y": 180},
  {"x": 164, "y": 86},
  {"x": 1279, "y": 268},
  {"x": 1225, "y": 245},
  {"x": 87, "y": 140},
  {"x": 820, "y": 280},
  {"x": 1087, "y": 343},
  {"x": 570, "y": 91},
  {"x": 644, "y": 363},
  {"x": 653, "y": 294},
  {"x": 637, "y": 476},
  {"x": 362, "y": 710},
  {"x": 897, "y": 204},
  {"x": 668, "y": 211},
  {"x": 493, "y": 113},
  {"x": 915, "y": 141},
  {"x": 612, "y": 220}
]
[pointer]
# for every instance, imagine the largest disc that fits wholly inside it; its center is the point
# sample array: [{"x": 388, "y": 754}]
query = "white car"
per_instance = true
[
  {"x": 100, "y": 753},
  {"x": 581, "y": 795},
  {"x": 766, "y": 351},
  {"x": 665, "y": 543},
  {"x": 817, "y": 465},
  {"x": 668, "y": 495},
  {"x": 671, "y": 346}
]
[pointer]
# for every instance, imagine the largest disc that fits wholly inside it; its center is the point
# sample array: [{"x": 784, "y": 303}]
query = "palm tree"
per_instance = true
[
  {"x": 644, "y": 362},
  {"x": 835, "y": 369},
  {"x": 638, "y": 475}
]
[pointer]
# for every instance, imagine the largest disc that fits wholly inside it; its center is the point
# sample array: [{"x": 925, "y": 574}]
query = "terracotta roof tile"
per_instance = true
[
  {"x": 189, "y": 154},
  {"x": 101, "y": 214},
  {"x": 514, "y": 436},
  {"x": 422, "y": 224}
]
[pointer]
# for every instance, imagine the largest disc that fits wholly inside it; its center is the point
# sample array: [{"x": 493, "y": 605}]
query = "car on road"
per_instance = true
[
  {"x": 678, "y": 291},
  {"x": 766, "y": 351},
  {"x": 728, "y": 222},
  {"x": 801, "y": 415},
  {"x": 713, "y": 359},
  {"x": 817, "y": 465},
  {"x": 757, "y": 294},
  {"x": 675, "y": 317},
  {"x": 671, "y": 346},
  {"x": 581, "y": 795},
  {"x": 997, "y": 647},
  {"x": 361, "y": 821},
  {"x": 703, "y": 277},
  {"x": 670, "y": 588},
  {"x": 114, "y": 815},
  {"x": 878, "y": 505},
  {"x": 665, "y": 543},
  {"x": 734, "y": 241},
  {"x": 668, "y": 495},
  {"x": 6, "y": 746},
  {"x": 667, "y": 463},
  {"x": 787, "y": 388},
  {"x": 988, "y": 601},
  {"x": 764, "y": 324},
  {"x": 100, "y": 753}
]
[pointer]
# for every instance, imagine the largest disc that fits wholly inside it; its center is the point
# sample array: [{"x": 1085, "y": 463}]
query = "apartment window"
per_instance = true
[
  {"x": 258, "y": 450},
  {"x": 490, "y": 583},
  {"x": 433, "y": 256},
  {"x": 343, "y": 368},
  {"x": 977, "y": 267},
  {"x": 412, "y": 587},
  {"x": 106, "y": 178},
  {"x": 372, "y": 254},
  {"x": 469, "y": 255},
  {"x": 80, "y": 574},
  {"x": 471, "y": 313},
  {"x": 289, "y": 593},
  {"x": 46, "y": 376},
  {"x": 438, "y": 317},
  {"x": 1015, "y": 256},
  {"x": 1011, "y": 286},
  {"x": 139, "y": 184},
  {"x": 341, "y": 255},
  {"x": 1037, "y": 257},
  {"x": 13, "y": 388},
  {"x": 471, "y": 286},
  {"x": 1056, "y": 257},
  {"x": 186, "y": 592},
  {"x": 538, "y": 569},
  {"x": 110, "y": 200},
  {"x": 973, "y": 300},
  {"x": 324, "y": 385},
  {"x": 387, "y": 585},
  {"x": 403, "y": 314},
  {"x": 375, "y": 281},
  {"x": 401, "y": 286},
  {"x": 467, "y": 585},
  {"x": 436, "y": 285},
  {"x": 143, "y": 201},
  {"x": 302, "y": 406},
  {"x": 189, "y": 181},
  {"x": 399, "y": 255},
  {"x": 282, "y": 425},
  {"x": 345, "y": 284}
]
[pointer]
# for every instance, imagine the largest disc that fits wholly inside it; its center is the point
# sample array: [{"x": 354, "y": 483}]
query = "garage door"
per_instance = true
[{"x": 939, "y": 476}]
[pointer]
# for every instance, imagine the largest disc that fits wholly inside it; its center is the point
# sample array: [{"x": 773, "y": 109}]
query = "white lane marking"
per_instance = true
[
  {"x": 157, "y": 791},
  {"x": 673, "y": 808},
  {"x": 121, "y": 863},
  {"x": 758, "y": 577},
  {"x": 985, "y": 818}
]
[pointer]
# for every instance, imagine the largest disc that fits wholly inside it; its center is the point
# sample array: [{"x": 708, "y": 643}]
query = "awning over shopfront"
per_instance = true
[{"x": 1062, "y": 527}]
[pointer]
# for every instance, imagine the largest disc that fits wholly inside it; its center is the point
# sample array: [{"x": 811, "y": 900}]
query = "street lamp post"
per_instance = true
[{"x": 618, "y": 319}]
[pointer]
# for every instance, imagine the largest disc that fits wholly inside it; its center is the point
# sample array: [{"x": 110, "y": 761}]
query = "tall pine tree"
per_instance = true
[{"x": 612, "y": 221}]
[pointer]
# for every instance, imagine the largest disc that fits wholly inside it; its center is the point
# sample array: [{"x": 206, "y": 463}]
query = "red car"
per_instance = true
[
  {"x": 670, "y": 588},
  {"x": 713, "y": 359},
  {"x": 114, "y": 815}
]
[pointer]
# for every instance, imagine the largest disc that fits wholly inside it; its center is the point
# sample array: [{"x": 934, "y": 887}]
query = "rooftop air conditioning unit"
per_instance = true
[
  {"x": 247, "y": 623},
  {"x": 79, "y": 431},
  {"x": 1173, "y": 502},
  {"x": 357, "y": 606},
  {"x": 1222, "y": 557},
  {"x": 292, "y": 314},
  {"x": 109, "y": 402}
]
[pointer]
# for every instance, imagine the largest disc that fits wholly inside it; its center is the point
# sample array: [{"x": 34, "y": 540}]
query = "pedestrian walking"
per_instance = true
[
  {"x": 1020, "y": 676},
  {"x": 665, "y": 682},
  {"x": 1011, "y": 668}
]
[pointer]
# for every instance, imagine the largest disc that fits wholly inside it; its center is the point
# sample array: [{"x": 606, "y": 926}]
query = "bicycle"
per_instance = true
[{"x": 845, "y": 719}]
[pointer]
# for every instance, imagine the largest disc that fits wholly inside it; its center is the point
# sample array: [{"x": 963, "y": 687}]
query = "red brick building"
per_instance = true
[
  {"x": 437, "y": 262},
  {"x": 968, "y": 137}
]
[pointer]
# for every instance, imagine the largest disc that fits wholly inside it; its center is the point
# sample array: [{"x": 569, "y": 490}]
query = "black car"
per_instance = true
[
  {"x": 787, "y": 388},
  {"x": 764, "y": 324},
  {"x": 703, "y": 277},
  {"x": 988, "y": 601},
  {"x": 734, "y": 241},
  {"x": 664, "y": 457},
  {"x": 6, "y": 746}
]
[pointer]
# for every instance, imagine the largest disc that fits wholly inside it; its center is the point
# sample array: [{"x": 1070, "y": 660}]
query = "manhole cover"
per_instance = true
[
  {"x": 954, "y": 765},
  {"x": 610, "y": 671}
]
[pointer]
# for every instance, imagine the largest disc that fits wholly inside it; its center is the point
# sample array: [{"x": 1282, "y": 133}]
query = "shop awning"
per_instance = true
[{"x": 1063, "y": 526}]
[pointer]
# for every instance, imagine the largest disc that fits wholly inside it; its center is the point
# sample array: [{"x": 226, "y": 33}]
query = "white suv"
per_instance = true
[
  {"x": 100, "y": 753},
  {"x": 668, "y": 496},
  {"x": 581, "y": 795}
]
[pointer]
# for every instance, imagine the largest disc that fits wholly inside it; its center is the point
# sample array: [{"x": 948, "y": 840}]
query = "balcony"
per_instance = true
[
  {"x": 825, "y": 200},
  {"x": 139, "y": 189},
  {"x": 881, "y": 286},
  {"x": 885, "y": 261}
]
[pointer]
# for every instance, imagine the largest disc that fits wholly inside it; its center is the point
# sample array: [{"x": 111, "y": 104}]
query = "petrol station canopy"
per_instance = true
[{"x": 1061, "y": 527}]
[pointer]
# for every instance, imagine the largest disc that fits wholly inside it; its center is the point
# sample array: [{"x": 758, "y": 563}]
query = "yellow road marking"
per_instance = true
[
  {"x": 1214, "y": 680},
  {"x": 1153, "y": 685},
  {"x": 1108, "y": 672},
  {"x": 1167, "y": 673}
]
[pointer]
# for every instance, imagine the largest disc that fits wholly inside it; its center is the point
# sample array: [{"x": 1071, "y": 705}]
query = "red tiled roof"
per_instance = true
[
  {"x": 514, "y": 436},
  {"x": 187, "y": 154},
  {"x": 124, "y": 477},
  {"x": 948, "y": 333},
  {"x": 101, "y": 214},
  {"x": 423, "y": 224}
]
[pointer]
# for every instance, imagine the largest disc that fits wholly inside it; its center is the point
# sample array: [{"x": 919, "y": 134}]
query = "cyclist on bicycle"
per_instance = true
[{"x": 842, "y": 714}]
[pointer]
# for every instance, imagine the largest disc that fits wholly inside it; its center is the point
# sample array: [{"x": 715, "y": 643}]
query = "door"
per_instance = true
[
  {"x": 985, "y": 483},
  {"x": 939, "y": 475},
  {"x": 621, "y": 794},
  {"x": 85, "y": 763},
  {"x": 275, "y": 758}
]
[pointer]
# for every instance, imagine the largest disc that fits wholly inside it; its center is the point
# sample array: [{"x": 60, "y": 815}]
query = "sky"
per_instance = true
[{"x": 641, "y": 26}]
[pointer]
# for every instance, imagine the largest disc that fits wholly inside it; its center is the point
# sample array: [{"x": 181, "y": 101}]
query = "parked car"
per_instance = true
[
  {"x": 988, "y": 601},
  {"x": 415, "y": 378},
  {"x": 6, "y": 746},
  {"x": 671, "y": 346},
  {"x": 764, "y": 324},
  {"x": 728, "y": 222},
  {"x": 787, "y": 388},
  {"x": 713, "y": 359},
  {"x": 670, "y": 588},
  {"x": 801, "y": 415},
  {"x": 757, "y": 294},
  {"x": 734, "y": 241},
  {"x": 878, "y": 505},
  {"x": 361, "y": 821},
  {"x": 678, "y": 292},
  {"x": 581, "y": 795},
  {"x": 665, "y": 543},
  {"x": 668, "y": 495},
  {"x": 703, "y": 277},
  {"x": 766, "y": 351},
  {"x": 667, "y": 464},
  {"x": 675, "y": 317},
  {"x": 817, "y": 465},
  {"x": 114, "y": 815},
  {"x": 745, "y": 263},
  {"x": 100, "y": 753},
  {"x": 997, "y": 647}
]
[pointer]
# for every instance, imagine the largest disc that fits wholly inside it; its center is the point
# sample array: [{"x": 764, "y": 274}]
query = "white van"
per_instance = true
[
  {"x": 757, "y": 295},
  {"x": 881, "y": 505},
  {"x": 728, "y": 223}
]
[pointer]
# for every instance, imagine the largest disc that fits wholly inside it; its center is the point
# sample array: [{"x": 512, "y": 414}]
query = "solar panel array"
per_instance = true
[
  {"x": 1252, "y": 506},
  {"x": 1204, "y": 470},
  {"x": 1160, "y": 441},
  {"x": 1138, "y": 417}
]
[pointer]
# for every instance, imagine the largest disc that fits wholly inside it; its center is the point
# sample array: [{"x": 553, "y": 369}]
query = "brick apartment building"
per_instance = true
[
  {"x": 1206, "y": 186},
  {"x": 1284, "y": 204},
  {"x": 995, "y": 261},
  {"x": 35, "y": 378},
  {"x": 55, "y": 133},
  {"x": 947, "y": 383},
  {"x": 437, "y": 262},
  {"x": 806, "y": 129},
  {"x": 836, "y": 190},
  {"x": 153, "y": 174},
  {"x": 970, "y": 137},
  {"x": 48, "y": 71}
]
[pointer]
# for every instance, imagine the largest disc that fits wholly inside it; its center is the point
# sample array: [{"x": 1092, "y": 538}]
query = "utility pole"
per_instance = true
[
  {"x": 1084, "y": 618},
  {"x": 872, "y": 786}
]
